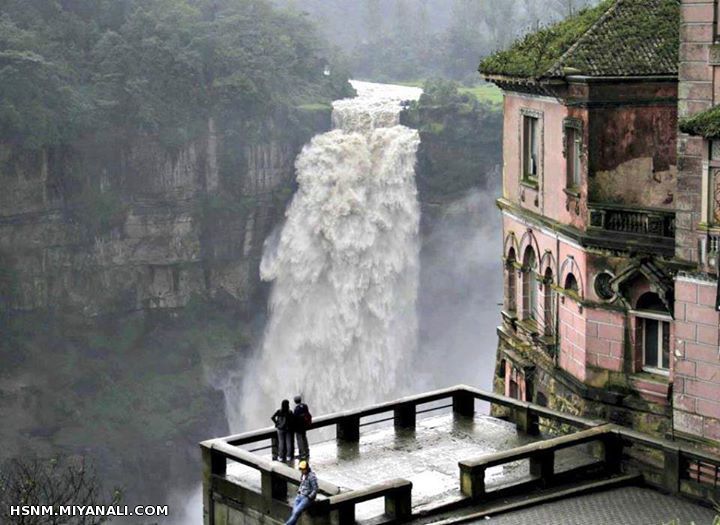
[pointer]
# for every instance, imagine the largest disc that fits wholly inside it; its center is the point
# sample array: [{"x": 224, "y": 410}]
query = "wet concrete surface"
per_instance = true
[
  {"x": 624, "y": 506},
  {"x": 427, "y": 456}
]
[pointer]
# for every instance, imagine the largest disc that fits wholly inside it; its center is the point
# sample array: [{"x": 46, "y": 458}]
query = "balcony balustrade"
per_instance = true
[{"x": 636, "y": 221}]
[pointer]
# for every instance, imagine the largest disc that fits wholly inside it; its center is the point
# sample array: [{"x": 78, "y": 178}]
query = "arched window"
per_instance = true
[
  {"x": 511, "y": 282},
  {"x": 653, "y": 332},
  {"x": 529, "y": 284},
  {"x": 548, "y": 303},
  {"x": 571, "y": 283},
  {"x": 501, "y": 369},
  {"x": 652, "y": 302}
]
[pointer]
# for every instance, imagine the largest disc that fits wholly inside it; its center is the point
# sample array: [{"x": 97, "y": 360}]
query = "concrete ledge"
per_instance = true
[
  {"x": 541, "y": 456},
  {"x": 334, "y": 507}
]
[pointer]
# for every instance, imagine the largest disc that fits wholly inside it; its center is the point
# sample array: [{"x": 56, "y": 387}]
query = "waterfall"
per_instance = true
[{"x": 344, "y": 267}]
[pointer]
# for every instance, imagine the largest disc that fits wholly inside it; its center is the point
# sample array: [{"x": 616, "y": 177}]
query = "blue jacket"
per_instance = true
[{"x": 308, "y": 485}]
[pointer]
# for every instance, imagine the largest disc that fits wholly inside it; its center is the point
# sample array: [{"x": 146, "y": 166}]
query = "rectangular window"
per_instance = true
[
  {"x": 514, "y": 390},
  {"x": 530, "y": 148},
  {"x": 573, "y": 152},
  {"x": 656, "y": 344},
  {"x": 711, "y": 186},
  {"x": 714, "y": 151}
]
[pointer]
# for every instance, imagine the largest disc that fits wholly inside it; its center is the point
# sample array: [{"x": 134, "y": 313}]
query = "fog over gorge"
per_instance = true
[{"x": 209, "y": 206}]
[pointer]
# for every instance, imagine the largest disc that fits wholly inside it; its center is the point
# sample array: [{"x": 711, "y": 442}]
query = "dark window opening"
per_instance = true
[
  {"x": 541, "y": 399},
  {"x": 571, "y": 283},
  {"x": 511, "y": 292},
  {"x": 529, "y": 284},
  {"x": 548, "y": 302},
  {"x": 531, "y": 148},
  {"x": 573, "y": 152},
  {"x": 514, "y": 390}
]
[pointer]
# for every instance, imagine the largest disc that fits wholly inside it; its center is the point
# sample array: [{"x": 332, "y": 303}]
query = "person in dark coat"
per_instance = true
[
  {"x": 301, "y": 418},
  {"x": 283, "y": 420}
]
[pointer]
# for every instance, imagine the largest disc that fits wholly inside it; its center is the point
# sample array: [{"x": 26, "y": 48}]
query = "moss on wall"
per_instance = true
[{"x": 705, "y": 124}]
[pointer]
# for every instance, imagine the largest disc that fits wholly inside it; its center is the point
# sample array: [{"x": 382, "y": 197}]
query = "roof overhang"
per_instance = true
[{"x": 588, "y": 79}]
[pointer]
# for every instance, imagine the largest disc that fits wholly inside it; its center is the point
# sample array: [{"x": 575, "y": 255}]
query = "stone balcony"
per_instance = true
[
  {"x": 436, "y": 457},
  {"x": 649, "y": 230}
]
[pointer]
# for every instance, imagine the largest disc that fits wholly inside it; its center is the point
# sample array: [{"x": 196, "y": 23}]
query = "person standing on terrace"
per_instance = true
[
  {"x": 283, "y": 419},
  {"x": 303, "y": 420}
]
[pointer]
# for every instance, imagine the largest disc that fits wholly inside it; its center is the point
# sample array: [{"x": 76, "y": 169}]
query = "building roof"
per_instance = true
[
  {"x": 705, "y": 124},
  {"x": 615, "y": 38}
]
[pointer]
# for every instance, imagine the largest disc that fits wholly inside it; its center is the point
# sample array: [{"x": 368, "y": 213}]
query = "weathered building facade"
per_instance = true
[
  {"x": 609, "y": 309},
  {"x": 696, "y": 392}
]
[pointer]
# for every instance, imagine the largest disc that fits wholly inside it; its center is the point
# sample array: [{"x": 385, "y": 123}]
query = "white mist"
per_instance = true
[{"x": 343, "y": 325}]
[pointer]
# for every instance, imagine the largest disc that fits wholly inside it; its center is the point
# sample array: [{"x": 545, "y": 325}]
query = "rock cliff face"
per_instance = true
[
  {"x": 104, "y": 229},
  {"x": 129, "y": 284}
]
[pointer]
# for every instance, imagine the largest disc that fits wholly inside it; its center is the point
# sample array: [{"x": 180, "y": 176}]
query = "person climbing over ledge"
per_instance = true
[
  {"x": 283, "y": 419},
  {"x": 306, "y": 494},
  {"x": 303, "y": 420}
]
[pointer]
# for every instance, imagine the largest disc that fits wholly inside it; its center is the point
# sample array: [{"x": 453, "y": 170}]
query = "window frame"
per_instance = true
[
  {"x": 711, "y": 184},
  {"x": 530, "y": 148},
  {"x": 529, "y": 285},
  {"x": 533, "y": 286},
  {"x": 548, "y": 303},
  {"x": 573, "y": 152},
  {"x": 511, "y": 285},
  {"x": 536, "y": 118},
  {"x": 664, "y": 322}
]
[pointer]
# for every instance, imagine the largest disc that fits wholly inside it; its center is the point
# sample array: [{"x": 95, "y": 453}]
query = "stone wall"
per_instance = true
[
  {"x": 103, "y": 230},
  {"x": 573, "y": 342},
  {"x": 697, "y": 358},
  {"x": 605, "y": 332},
  {"x": 696, "y": 93}
]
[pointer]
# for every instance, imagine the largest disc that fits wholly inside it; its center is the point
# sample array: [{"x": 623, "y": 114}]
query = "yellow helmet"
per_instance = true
[{"x": 303, "y": 465}]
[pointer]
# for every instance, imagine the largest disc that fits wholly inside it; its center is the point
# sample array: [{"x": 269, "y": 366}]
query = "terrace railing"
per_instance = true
[{"x": 683, "y": 470}]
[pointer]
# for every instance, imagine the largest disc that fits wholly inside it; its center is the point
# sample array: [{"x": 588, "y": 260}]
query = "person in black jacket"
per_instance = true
[
  {"x": 302, "y": 419},
  {"x": 283, "y": 420}
]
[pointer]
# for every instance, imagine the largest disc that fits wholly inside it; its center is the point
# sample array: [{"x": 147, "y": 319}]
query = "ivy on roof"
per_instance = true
[
  {"x": 615, "y": 38},
  {"x": 705, "y": 124}
]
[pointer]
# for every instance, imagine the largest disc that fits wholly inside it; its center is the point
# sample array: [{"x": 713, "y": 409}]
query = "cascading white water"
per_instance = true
[{"x": 344, "y": 267}]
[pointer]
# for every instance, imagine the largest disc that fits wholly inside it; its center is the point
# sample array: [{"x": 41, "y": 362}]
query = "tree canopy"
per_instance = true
[{"x": 159, "y": 67}]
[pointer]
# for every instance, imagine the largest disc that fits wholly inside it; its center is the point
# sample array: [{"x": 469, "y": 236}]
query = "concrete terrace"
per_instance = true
[
  {"x": 427, "y": 457},
  {"x": 436, "y": 458}
]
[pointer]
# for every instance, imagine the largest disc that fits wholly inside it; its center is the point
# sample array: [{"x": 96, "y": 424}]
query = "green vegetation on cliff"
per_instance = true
[
  {"x": 461, "y": 135},
  {"x": 135, "y": 392},
  {"x": 152, "y": 67}
]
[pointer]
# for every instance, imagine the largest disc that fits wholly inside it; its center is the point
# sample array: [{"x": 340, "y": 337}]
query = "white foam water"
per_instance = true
[{"x": 344, "y": 267}]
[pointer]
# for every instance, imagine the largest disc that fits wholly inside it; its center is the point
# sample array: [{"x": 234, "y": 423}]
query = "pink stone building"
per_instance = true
[
  {"x": 610, "y": 309},
  {"x": 696, "y": 372}
]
